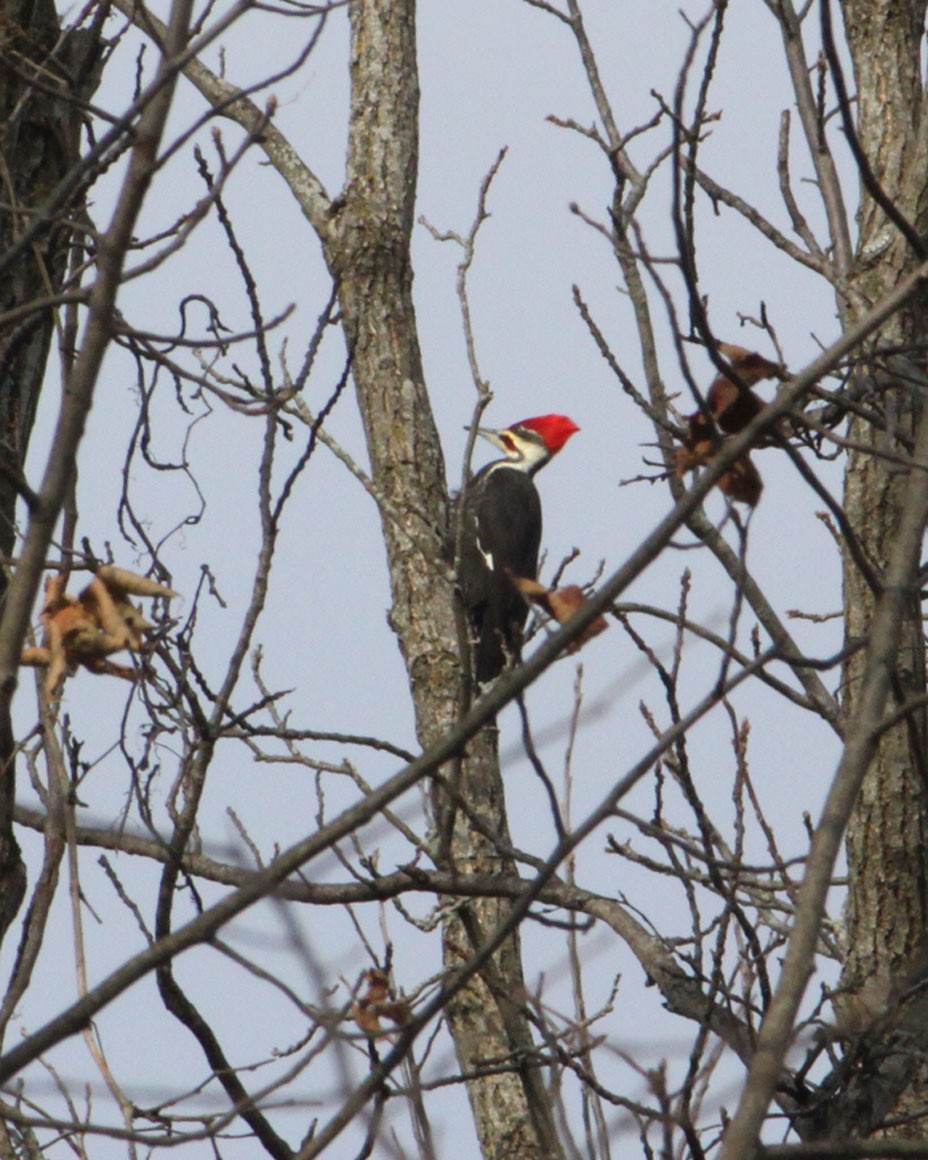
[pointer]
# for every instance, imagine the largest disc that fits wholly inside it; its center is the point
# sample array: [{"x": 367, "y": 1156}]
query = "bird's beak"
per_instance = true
[{"x": 493, "y": 436}]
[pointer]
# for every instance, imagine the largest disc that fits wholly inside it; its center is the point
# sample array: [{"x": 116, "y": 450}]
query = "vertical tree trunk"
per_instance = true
[
  {"x": 886, "y": 842},
  {"x": 368, "y": 252},
  {"x": 39, "y": 142},
  {"x": 511, "y": 1107}
]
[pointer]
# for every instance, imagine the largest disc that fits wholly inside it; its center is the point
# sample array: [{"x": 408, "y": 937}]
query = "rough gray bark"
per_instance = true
[
  {"x": 886, "y": 841},
  {"x": 367, "y": 248}
]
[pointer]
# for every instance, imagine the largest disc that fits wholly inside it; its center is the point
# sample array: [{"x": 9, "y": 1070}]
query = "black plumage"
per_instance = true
[
  {"x": 501, "y": 539},
  {"x": 501, "y": 536}
]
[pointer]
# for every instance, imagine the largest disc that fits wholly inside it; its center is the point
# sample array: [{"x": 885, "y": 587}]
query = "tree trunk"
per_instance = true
[
  {"x": 367, "y": 248},
  {"x": 886, "y": 841}
]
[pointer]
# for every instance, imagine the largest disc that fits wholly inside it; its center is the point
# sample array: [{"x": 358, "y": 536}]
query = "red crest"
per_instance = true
[{"x": 555, "y": 430}]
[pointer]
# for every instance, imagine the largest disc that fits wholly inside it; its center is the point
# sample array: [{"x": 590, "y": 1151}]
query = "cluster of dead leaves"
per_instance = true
[
  {"x": 561, "y": 604},
  {"x": 85, "y": 630},
  {"x": 731, "y": 408},
  {"x": 377, "y": 1002}
]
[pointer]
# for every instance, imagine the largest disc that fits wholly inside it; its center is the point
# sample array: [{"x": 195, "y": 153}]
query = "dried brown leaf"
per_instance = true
[
  {"x": 742, "y": 482},
  {"x": 35, "y": 657},
  {"x": 377, "y": 1003},
  {"x": 732, "y": 407},
  {"x": 86, "y": 630},
  {"x": 561, "y": 604},
  {"x": 121, "y": 580},
  {"x": 749, "y": 365}
]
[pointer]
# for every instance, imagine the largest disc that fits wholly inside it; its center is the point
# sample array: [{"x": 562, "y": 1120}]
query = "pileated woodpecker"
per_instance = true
[{"x": 501, "y": 534}]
